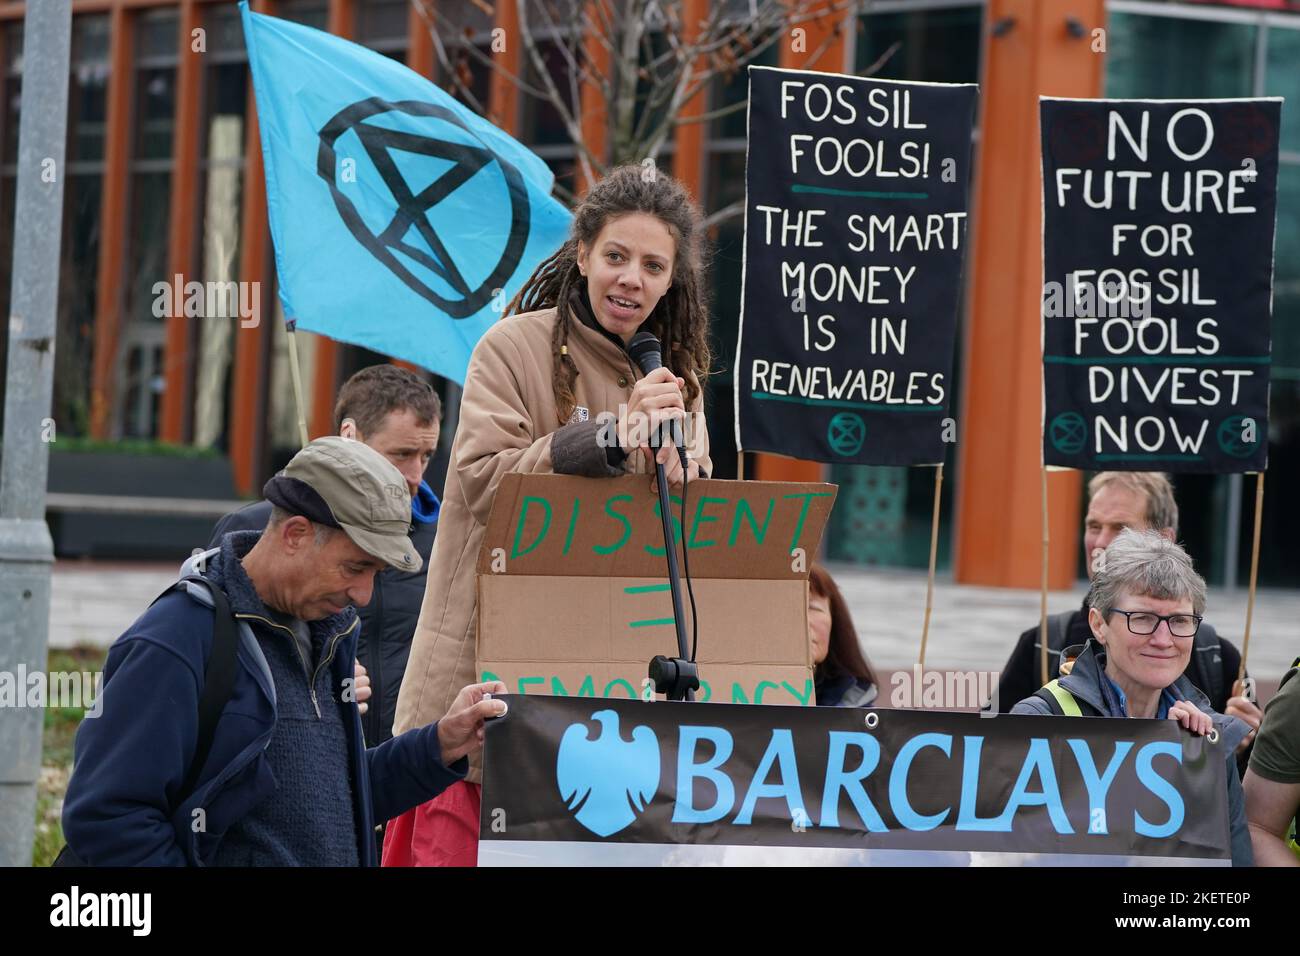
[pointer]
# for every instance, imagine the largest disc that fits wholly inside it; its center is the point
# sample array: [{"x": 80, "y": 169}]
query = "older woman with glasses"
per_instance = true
[{"x": 1144, "y": 610}]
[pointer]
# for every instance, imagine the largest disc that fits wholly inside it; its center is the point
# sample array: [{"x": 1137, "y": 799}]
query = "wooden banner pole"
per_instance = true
[
  {"x": 934, "y": 550},
  {"x": 1042, "y": 597},
  {"x": 1254, "y": 571},
  {"x": 295, "y": 374}
]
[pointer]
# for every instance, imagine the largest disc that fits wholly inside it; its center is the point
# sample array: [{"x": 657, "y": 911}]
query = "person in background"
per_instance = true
[
  {"x": 1142, "y": 501},
  {"x": 397, "y": 414},
  {"x": 1272, "y": 782},
  {"x": 842, "y": 676},
  {"x": 1144, "y": 611}
]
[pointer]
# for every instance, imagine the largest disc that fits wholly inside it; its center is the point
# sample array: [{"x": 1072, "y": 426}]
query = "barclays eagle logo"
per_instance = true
[{"x": 607, "y": 781}]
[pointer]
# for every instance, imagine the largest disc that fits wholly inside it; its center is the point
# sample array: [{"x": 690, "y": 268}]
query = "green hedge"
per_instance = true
[{"x": 131, "y": 446}]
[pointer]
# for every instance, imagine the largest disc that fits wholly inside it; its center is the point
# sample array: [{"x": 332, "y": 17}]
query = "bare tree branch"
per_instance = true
[
  {"x": 712, "y": 114},
  {"x": 641, "y": 91},
  {"x": 882, "y": 60},
  {"x": 571, "y": 125},
  {"x": 725, "y": 214}
]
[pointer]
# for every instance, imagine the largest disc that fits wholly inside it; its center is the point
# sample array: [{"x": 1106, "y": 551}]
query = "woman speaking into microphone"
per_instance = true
[{"x": 539, "y": 385}]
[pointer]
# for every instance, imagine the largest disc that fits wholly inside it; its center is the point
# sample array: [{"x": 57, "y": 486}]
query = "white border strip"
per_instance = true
[{"x": 519, "y": 853}]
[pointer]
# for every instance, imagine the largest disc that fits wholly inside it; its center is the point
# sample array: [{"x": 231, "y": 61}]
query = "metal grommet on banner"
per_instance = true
[
  {"x": 873, "y": 718},
  {"x": 1213, "y": 735}
]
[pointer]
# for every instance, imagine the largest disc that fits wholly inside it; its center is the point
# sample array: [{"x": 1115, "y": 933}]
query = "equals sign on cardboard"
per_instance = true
[{"x": 649, "y": 589}]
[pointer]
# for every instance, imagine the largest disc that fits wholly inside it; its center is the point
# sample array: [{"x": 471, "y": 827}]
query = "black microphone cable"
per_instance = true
[
  {"x": 686, "y": 561},
  {"x": 646, "y": 351}
]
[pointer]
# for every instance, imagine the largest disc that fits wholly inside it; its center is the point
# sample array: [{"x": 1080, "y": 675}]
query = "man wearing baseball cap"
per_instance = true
[{"x": 275, "y": 772}]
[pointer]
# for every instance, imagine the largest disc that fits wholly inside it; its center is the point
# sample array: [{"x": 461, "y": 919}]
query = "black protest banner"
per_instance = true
[
  {"x": 1158, "y": 224},
  {"x": 855, "y": 224},
  {"x": 585, "y": 781}
]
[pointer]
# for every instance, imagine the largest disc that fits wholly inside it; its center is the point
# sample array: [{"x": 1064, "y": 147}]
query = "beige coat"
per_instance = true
[{"x": 507, "y": 419}]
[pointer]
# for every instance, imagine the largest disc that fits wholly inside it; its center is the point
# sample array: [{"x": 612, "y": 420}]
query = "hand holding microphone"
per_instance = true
[{"x": 657, "y": 407}]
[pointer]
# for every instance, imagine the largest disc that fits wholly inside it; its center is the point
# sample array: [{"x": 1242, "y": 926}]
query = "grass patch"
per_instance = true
[
  {"x": 60, "y": 731},
  {"x": 130, "y": 446}
]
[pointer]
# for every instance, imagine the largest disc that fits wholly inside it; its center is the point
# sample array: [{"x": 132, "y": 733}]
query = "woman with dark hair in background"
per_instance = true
[{"x": 841, "y": 672}]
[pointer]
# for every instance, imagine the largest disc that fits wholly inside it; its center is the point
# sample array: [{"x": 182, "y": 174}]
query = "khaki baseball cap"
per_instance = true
[{"x": 346, "y": 484}]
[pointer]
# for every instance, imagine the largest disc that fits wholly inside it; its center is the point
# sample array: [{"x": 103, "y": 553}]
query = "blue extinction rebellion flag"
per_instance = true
[{"x": 402, "y": 221}]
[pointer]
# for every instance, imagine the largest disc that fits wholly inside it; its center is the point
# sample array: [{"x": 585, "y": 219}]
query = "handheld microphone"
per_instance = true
[{"x": 648, "y": 354}]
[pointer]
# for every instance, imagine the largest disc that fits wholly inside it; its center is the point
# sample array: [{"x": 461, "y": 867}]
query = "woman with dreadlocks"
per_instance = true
[{"x": 542, "y": 385}]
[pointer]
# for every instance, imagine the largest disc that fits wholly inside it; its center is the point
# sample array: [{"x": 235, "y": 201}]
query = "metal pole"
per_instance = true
[
  {"x": 1232, "y": 533},
  {"x": 26, "y": 549}
]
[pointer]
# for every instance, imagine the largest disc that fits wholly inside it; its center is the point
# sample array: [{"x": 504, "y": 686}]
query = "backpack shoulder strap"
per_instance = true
[
  {"x": 1205, "y": 648},
  {"x": 218, "y": 678},
  {"x": 218, "y": 682},
  {"x": 1060, "y": 700},
  {"x": 1058, "y": 631}
]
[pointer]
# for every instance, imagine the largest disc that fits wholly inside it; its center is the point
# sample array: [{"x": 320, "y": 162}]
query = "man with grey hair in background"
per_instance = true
[
  {"x": 1144, "y": 611},
  {"x": 1117, "y": 500}
]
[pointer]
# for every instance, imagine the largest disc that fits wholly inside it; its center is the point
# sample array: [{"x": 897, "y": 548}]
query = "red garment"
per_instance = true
[{"x": 442, "y": 832}]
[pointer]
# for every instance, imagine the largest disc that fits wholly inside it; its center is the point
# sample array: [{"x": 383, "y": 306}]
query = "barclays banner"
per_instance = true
[{"x": 577, "y": 781}]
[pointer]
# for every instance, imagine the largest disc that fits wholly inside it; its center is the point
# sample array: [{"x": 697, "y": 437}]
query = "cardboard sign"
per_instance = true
[
  {"x": 855, "y": 226},
  {"x": 580, "y": 782},
  {"x": 1158, "y": 225},
  {"x": 573, "y": 593}
]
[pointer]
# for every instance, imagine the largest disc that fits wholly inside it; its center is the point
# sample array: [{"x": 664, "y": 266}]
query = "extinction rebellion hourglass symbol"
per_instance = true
[{"x": 409, "y": 231}]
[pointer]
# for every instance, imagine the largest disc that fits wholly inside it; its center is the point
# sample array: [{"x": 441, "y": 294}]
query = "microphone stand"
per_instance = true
[{"x": 676, "y": 677}]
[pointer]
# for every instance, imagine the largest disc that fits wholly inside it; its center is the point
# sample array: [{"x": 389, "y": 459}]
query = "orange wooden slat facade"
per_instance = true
[
  {"x": 110, "y": 292},
  {"x": 419, "y": 51},
  {"x": 688, "y": 157},
  {"x": 594, "y": 119},
  {"x": 503, "y": 97},
  {"x": 999, "y": 511},
  {"x": 248, "y": 389}
]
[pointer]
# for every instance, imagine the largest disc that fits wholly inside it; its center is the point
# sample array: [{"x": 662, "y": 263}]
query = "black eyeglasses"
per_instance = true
[{"x": 1143, "y": 623}]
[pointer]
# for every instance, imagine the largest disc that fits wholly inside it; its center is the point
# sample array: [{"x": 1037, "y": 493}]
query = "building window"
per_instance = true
[
  {"x": 139, "y": 379},
  {"x": 310, "y": 13},
  {"x": 1173, "y": 58},
  {"x": 381, "y": 25},
  {"x": 224, "y": 132},
  {"x": 541, "y": 125},
  {"x": 82, "y": 196},
  {"x": 939, "y": 44},
  {"x": 462, "y": 37}
]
